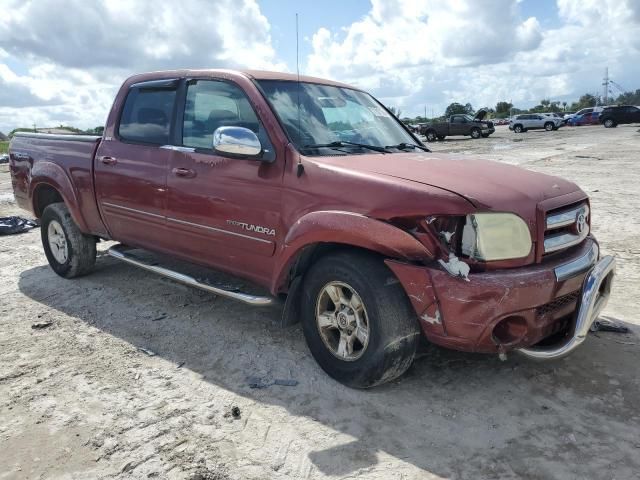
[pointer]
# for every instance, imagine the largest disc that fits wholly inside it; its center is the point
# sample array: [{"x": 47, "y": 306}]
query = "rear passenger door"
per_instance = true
[
  {"x": 223, "y": 211},
  {"x": 131, "y": 168}
]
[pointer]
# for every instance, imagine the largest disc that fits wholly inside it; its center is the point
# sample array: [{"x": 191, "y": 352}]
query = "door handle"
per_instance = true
[
  {"x": 109, "y": 160},
  {"x": 183, "y": 172}
]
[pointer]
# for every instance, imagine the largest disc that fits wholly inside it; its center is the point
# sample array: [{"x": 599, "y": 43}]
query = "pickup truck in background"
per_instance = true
[
  {"x": 466, "y": 125},
  {"x": 312, "y": 190}
]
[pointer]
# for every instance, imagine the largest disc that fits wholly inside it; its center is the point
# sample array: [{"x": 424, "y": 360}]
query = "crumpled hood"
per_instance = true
[{"x": 486, "y": 184}]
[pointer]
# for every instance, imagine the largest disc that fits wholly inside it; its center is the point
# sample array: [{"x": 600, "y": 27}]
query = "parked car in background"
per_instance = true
[
  {"x": 586, "y": 116},
  {"x": 532, "y": 121},
  {"x": 465, "y": 125},
  {"x": 4, "y": 158},
  {"x": 613, "y": 116}
]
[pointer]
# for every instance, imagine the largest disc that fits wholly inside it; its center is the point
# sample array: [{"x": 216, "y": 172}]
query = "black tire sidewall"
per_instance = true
[
  {"x": 369, "y": 369},
  {"x": 431, "y": 136},
  {"x": 518, "y": 129},
  {"x": 476, "y": 133},
  {"x": 48, "y": 215},
  {"x": 548, "y": 126}
]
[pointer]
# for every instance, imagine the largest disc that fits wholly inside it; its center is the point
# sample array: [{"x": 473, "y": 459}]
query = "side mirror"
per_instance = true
[{"x": 236, "y": 141}]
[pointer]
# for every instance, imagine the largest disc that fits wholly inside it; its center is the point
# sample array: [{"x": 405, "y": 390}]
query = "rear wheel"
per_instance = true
[
  {"x": 431, "y": 136},
  {"x": 609, "y": 123},
  {"x": 485, "y": 135},
  {"x": 476, "y": 133},
  {"x": 548, "y": 126},
  {"x": 357, "y": 320},
  {"x": 518, "y": 128},
  {"x": 70, "y": 252}
]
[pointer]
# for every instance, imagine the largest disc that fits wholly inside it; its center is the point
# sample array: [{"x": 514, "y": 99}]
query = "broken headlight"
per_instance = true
[{"x": 495, "y": 236}]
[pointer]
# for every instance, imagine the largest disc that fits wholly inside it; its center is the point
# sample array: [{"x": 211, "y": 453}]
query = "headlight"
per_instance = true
[{"x": 495, "y": 236}]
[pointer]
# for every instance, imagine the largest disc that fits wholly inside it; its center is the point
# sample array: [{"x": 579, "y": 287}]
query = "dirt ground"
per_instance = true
[{"x": 136, "y": 376}]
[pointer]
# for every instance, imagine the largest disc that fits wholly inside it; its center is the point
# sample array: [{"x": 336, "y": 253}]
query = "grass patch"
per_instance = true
[{"x": 4, "y": 147}]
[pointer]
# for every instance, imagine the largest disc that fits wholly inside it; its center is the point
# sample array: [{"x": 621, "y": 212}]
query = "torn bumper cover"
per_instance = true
[{"x": 542, "y": 310}]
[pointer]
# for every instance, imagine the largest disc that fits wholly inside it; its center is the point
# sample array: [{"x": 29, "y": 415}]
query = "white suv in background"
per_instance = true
[{"x": 530, "y": 121}]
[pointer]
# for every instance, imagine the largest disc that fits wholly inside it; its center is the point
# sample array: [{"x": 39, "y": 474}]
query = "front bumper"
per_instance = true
[{"x": 512, "y": 309}]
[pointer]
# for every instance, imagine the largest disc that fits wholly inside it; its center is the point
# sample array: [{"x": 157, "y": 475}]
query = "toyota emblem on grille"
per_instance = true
[{"x": 581, "y": 221}]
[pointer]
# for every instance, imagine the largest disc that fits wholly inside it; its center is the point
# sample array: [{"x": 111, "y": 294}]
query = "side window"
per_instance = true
[
  {"x": 211, "y": 104},
  {"x": 146, "y": 116},
  {"x": 456, "y": 119}
]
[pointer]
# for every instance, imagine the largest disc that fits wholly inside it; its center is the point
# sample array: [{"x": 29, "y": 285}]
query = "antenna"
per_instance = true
[{"x": 300, "y": 166}]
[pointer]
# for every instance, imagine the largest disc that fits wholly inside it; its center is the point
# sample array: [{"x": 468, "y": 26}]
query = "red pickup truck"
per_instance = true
[{"x": 314, "y": 190}]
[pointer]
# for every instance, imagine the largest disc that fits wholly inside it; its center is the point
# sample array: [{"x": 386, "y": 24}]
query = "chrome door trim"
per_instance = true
[
  {"x": 177, "y": 148},
  {"x": 135, "y": 210},
  {"x": 219, "y": 230}
]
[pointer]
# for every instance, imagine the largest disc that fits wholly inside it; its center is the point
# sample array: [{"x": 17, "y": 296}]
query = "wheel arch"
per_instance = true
[
  {"x": 318, "y": 233},
  {"x": 50, "y": 184}
]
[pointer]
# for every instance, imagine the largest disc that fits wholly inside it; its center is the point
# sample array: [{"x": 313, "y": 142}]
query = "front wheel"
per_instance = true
[
  {"x": 476, "y": 133},
  {"x": 357, "y": 320},
  {"x": 70, "y": 252},
  {"x": 431, "y": 136},
  {"x": 549, "y": 126}
]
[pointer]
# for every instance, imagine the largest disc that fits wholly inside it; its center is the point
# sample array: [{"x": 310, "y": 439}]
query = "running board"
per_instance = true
[{"x": 119, "y": 252}]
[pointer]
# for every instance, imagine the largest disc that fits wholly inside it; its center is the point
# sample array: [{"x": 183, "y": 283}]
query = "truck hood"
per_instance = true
[
  {"x": 480, "y": 114},
  {"x": 484, "y": 183}
]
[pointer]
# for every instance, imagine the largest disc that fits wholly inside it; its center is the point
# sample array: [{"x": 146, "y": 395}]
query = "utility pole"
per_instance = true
[
  {"x": 605, "y": 84},
  {"x": 425, "y": 112}
]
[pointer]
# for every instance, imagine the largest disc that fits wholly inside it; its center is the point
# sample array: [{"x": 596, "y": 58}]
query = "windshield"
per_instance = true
[{"x": 331, "y": 114}]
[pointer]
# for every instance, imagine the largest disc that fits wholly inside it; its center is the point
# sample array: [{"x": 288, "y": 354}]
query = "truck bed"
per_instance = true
[{"x": 64, "y": 162}]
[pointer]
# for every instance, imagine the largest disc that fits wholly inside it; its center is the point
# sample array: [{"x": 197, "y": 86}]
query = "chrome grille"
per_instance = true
[{"x": 566, "y": 228}]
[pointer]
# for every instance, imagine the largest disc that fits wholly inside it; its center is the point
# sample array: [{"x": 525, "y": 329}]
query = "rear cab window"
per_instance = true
[{"x": 147, "y": 113}]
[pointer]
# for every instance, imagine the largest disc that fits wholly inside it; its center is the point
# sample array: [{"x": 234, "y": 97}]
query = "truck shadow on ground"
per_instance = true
[{"x": 453, "y": 414}]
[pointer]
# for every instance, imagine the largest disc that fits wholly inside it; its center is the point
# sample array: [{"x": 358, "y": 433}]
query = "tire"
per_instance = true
[
  {"x": 431, "y": 136},
  {"x": 549, "y": 126},
  {"x": 70, "y": 252},
  {"x": 518, "y": 129},
  {"x": 476, "y": 133},
  {"x": 393, "y": 332},
  {"x": 609, "y": 123},
  {"x": 441, "y": 137}
]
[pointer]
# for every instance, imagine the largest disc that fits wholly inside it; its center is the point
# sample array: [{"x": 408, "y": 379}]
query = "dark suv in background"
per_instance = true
[{"x": 613, "y": 116}]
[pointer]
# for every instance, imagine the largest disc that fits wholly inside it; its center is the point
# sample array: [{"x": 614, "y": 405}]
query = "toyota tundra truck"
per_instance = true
[{"x": 312, "y": 190}]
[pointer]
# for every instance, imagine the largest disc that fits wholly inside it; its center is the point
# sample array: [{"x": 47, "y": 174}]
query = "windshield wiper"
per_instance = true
[
  {"x": 343, "y": 143},
  {"x": 404, "y": 146}
]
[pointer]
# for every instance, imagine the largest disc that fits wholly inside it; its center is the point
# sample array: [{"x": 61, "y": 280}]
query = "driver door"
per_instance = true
[{"x": 223, "y": 211}]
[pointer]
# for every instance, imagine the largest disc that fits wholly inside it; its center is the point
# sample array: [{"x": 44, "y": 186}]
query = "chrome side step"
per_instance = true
[{"x": 119, "y": 252}]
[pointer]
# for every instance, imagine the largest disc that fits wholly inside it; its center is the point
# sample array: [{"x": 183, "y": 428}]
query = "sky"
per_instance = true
[{"x": 61, "y": 62}]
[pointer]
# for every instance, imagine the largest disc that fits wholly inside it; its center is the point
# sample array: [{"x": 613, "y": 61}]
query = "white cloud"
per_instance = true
[
  {"x": 410, "y": 53},
  {"x": 77, "y": 53}
]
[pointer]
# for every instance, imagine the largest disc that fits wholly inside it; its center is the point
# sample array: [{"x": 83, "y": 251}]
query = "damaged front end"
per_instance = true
[{"x": 487, "y": 291}]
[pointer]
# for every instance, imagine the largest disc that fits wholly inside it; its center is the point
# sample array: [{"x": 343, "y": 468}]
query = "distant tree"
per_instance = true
[
  {"x": 629, "y": 98},
  {"x": 586, "y": 100},
  {"x": 564, "y": 106},
  {"x": 396, "y": 111},
  {"x": 503, "y": 109},
  {"x": 469, "y": 108},
  {"x": 456, "y": 109}
]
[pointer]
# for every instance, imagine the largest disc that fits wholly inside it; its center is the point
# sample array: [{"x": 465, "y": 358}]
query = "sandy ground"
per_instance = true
[{"x": 81, "y": 400}]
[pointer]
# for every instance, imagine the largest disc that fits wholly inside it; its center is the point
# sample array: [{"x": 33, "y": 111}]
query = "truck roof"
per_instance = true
[{"x": 254, "y": 74}]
